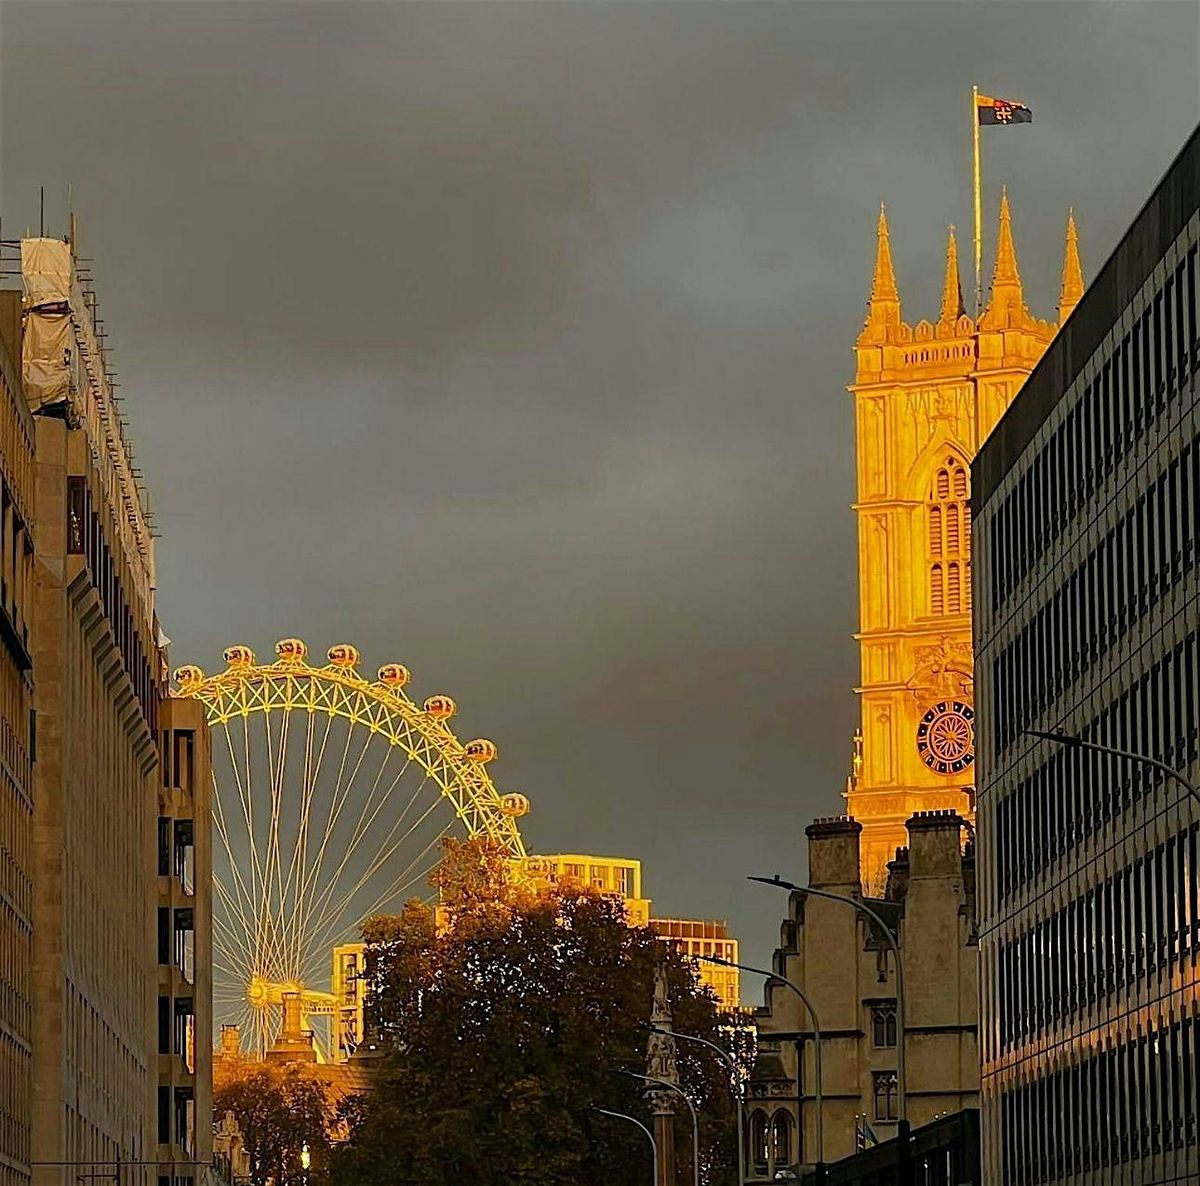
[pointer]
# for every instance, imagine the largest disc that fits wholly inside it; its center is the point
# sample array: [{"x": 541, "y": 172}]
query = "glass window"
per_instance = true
[
  {"x": 883, "y": 1025},
  {"x": 884, "y": 1092}
]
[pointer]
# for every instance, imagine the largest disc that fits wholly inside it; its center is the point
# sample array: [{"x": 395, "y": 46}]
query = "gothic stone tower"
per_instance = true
[{"x": 925, "y": 396}]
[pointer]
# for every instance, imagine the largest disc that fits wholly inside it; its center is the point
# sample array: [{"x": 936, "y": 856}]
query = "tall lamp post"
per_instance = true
[
  {"x": 649, "y": 1137},
  {"x": 735, "y": 1080},
  {"x": 716, "y": 959},
  {"x": 691, "y": 1108},
  {"x": 1073, "y": 742},
  {"x": 863, "y": 908}
]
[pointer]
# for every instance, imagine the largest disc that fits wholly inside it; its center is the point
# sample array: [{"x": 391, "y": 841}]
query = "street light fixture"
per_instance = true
[
  {"x": 889, "y": 936},
  {"x": 1072, "y": 742},
  {"x": 649, "y": 1137},
  {"x": 691, "y": 1108},
  {"x": 716, "y": 959},
  {"x": 737, "y": 1086}
]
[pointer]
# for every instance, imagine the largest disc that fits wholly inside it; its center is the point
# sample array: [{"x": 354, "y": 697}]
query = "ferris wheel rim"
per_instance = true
[{"x": 480, "y": 809}]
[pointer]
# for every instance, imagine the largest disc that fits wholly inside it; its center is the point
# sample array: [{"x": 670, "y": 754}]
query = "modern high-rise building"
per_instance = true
[
  {"x": 121, "y": 879},
  {"x": 925, "y": 395},
  {"x": 697, "y": 938},
  {"x": 16, "y": 753},
  {"x": 1087, "y": 622}
]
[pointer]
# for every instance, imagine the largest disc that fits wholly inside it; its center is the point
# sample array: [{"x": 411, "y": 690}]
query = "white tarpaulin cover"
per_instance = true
[
  {"x": 49, "y": 342},
  {"x": 46, "y": 269}
]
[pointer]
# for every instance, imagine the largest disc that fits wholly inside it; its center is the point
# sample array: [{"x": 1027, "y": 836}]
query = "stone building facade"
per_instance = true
[
  {"x": 108, "y": 817},
  {"x": 925, "y": 395},
  {"x": 848, "y": 972},
  {"x": 16, "y": 752}
]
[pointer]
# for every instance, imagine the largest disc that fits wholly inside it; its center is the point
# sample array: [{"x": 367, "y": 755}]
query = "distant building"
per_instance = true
[
  {"x": 16, "y": 751},
  {"x": 847, "y": 970},
  {"x": 925, "y": 395},
  {"x": 1087, "y": 619},
  {"x": 607, "y": 875},
  {"x": 121, "y": 985},
  {"x": 701, "y": 937}
]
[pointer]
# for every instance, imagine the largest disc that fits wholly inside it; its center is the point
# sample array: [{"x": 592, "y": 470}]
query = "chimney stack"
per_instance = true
[
  {"x": 833, "y": 853},
  {"x": 935, "y": 844}
]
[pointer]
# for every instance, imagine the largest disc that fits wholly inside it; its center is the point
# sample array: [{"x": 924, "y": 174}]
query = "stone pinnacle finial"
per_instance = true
[
  {"x": 952, "y": 298},
  {"x": 1006, "y": 307},
  {"x": 1072, "y": 276},
  {"x": 883, "y": 308}
]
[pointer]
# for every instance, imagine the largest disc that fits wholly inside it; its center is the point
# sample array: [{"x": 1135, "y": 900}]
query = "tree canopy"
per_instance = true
[
  {"x": 280, "y": 1111},
  {"x": 503, "y": 1029}
]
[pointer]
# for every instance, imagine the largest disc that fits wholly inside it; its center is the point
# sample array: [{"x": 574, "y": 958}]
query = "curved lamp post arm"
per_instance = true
[
  {"x": 716, "y": 959},
  {"x": 691, "y": 1108},
  {"x": 892, "y": 942},
  {"x": 649, "y": 1137},
  {"x": 739, "y": 1089},
  {"x": 1073, "y": 742}
]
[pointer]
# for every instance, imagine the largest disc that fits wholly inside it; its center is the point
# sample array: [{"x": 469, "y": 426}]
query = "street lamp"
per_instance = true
[
  {"x": 716, "y": 959},
  {"x": 863, "y": 908},
  {"x": 649, "y": 1137},
  {"x": 738, "y": 1089},
  {"x": 1073, "y": 742},
  {"x": 691, "y": 1108}
]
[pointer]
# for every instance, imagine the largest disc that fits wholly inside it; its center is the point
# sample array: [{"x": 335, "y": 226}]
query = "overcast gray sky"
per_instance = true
[{"x": 510, "y": 340}]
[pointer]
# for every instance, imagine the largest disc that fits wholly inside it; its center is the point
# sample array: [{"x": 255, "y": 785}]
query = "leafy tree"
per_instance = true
[
  {"x": 280, "y": 1110},
  {"x": 504, "y": 1028}
]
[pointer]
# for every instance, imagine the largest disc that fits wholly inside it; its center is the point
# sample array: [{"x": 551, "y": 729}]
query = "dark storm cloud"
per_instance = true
[{"x": 510, "y": 340}]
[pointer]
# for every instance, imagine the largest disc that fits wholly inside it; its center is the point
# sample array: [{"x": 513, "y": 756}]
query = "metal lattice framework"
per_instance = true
[{"x": 331, "y": 796}]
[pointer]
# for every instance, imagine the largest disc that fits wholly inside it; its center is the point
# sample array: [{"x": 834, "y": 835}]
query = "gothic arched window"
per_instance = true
[
  {"x": 758, "y": 1140},
  {"x": 781, "y": 1140},
  {"x": 949, "y": 518}
]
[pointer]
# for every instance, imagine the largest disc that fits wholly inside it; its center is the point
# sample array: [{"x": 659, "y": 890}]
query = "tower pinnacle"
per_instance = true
[
  {"x": 1007, "y": 303},
  {"x": 952, "y": 298},
  {"x": 883, "y": 309},
  {"x": 1072, "y": 276}
]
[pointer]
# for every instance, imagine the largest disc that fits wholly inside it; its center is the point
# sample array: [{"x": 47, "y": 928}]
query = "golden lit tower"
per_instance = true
[{"x": 922, "y": 395}]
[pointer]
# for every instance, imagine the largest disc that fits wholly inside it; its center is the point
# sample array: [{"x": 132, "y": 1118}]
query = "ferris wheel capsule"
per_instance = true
[
  {"x": 239, "y": 656},
  {"x": 441, "y": 708},
  {"x": 291, "y": 650},
  {"x": 480, "y": 750},
  {"x": 188, "y": 677},
  {"x": 514, "y": 806},
  {"x": 394, "y": 675},
  {"x": 343, "y": 655},
  {"x": 537, "y": 866}
]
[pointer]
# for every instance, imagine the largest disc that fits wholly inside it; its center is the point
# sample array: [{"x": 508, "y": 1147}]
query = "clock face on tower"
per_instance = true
[{"x": 946, "y": 737}]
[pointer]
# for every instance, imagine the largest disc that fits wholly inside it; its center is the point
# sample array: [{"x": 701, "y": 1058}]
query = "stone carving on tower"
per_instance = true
[{"x": 925, "y": 396}]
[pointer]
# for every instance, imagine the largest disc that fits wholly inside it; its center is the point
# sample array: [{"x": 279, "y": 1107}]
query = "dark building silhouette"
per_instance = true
[{"x": 1087, "y": 623}]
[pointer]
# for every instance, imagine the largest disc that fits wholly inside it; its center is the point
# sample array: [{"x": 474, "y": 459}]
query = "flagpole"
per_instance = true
[{"x": 978, "y": 203}]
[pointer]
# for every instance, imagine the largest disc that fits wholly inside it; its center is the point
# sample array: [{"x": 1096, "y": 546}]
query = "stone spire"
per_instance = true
[
  {"x": 952, "y": 298},
  {"x": 1072, "y": 275},
  {"x": 1007, "y": 304},
  {"x": 883, "y": 309}
]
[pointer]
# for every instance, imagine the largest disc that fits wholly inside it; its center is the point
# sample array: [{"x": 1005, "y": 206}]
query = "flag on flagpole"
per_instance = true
[{"x": 1001, "y": 111}]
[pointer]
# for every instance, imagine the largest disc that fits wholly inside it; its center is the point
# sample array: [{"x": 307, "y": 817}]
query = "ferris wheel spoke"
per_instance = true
[
  {"x": 387, "y": 845},
  {"x": 295, "y": 877},
  {"x": 320, "y": 895},
  {"x": 243, "y": 902},
  {"x": 229, "y": 920},
  {"x": 385, "y": 853},
  {"x": 248, "y": 816},
  {"x": 338, "y": 800}
]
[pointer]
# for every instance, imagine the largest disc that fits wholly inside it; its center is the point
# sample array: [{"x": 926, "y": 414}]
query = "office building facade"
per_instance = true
[{"x": 1087, "y": 624}]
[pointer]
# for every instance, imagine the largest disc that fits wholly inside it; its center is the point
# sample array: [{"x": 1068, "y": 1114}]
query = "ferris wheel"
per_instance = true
[{"x": 332, "y": 795}]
